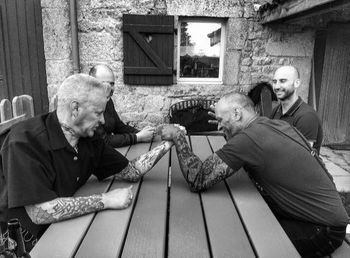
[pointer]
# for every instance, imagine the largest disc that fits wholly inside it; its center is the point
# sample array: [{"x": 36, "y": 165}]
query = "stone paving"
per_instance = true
[{"x": 338, "y": 164}]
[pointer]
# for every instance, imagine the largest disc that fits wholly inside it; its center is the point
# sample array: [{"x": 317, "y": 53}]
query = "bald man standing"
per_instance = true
[
  {"x": 114, "y": 131},
  {"x": 293, "y": 109}
]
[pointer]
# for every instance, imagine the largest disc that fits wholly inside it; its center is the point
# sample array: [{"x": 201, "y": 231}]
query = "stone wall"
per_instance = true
[{"x": 252, "y": 53}]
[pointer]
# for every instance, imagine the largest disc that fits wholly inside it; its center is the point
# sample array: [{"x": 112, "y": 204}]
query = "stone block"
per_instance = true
[
  {"x": 58, "y": 70},
  {"x": 132, "y": 118},
  {"x": 54, "y": 4},
  {"x": 237, "y": 32},
  {"x": 56, "y": 33},
  {"x": 98, "y": 20},
  {"x": 291, "y": 44},
  {"x": 231, "y": 67},
  {"x": 97, "y": 46},
  {"x": 154, "y": 103},
  {"x": 214, "y": 8}
]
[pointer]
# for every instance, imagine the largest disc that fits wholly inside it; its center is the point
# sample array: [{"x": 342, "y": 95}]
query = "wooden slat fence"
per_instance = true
[{"x": 21, "y": 108}]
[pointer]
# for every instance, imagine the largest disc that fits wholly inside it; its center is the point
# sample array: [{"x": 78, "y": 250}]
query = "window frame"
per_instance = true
[{"x": 187, "y": 80}]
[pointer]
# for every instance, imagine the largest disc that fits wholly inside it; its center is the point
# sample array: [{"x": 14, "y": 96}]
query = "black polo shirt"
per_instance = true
[
  {"x": 304, "y": 118},
  {"x": 286, "y": 171},
  {"x": 39, "y": 165}
]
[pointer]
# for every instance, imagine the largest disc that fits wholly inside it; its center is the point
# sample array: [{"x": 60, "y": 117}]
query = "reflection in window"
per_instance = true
[{"x": 200, "y": 47}]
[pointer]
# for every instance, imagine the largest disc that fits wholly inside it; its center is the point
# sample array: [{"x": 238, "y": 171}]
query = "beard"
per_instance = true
[{"x": 287, "y": 94}]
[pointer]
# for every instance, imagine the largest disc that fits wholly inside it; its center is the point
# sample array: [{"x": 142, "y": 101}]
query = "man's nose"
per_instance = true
[{"x": 102, "y": 119}]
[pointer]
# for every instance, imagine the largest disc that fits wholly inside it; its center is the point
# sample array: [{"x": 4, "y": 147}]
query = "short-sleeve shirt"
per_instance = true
[
  {"x": 304, "y": 118},
  {"x": 286, "y": 171},
  {"x": 39, "y": 165}
]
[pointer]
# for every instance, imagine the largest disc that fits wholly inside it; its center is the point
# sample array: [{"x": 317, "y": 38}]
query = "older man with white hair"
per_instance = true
[{"x": 45, "y": 159}]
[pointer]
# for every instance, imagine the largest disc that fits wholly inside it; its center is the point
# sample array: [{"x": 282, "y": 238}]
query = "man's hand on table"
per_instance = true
[
  {"x": 146, "y": 134},
  {"x": 118, "y": 199}
]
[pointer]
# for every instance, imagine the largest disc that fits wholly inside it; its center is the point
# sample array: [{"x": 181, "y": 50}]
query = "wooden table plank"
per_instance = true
[
  {"x": 226, "y": 232},
  {"x": 147, "y": 231},
  {"x": 187, "y": 236},
  {"x": 62, "y": 239},
  {"x": 107, "y": 232},
  {"x": 266, "y": 234}
]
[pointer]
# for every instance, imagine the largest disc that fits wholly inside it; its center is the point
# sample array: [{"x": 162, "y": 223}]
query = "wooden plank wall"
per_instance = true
[{"x": 22, "y": 61}]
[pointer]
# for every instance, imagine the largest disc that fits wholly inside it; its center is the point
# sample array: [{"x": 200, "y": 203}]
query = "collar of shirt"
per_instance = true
[
  {"x": 292, "y": 109},
  {"x": 56, "y": 137}
]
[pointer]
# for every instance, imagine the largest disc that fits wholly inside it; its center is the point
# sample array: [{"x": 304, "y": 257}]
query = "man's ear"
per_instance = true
[
  {"x": 74, "y": 108},
  {"x": 237, "y": 114},
  {"x": 297, "y": 83}
]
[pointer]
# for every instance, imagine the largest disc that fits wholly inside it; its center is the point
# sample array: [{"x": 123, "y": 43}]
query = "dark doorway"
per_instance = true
[
  {"x": 22, "y": 60},
  {"x": 334, "y": 86}
]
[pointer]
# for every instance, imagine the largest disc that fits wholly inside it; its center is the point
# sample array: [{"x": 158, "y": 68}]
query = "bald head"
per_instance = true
[
  {"x": 292, "y": 71},
  {"x": 103, "y": 73},
  {"x": 237, "y": 100},
  {"x": 234, "y": 112},
  {"x": 285, "y": 82}
]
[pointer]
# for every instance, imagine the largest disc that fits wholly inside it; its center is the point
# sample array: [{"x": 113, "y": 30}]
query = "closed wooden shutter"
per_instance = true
[
  {"x": 22, "y": 60},
  {"x": 148, "y": 49}
]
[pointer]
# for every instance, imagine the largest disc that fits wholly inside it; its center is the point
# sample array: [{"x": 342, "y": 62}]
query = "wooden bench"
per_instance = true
[
  {"x": 20, "y": 109},
  {"x": 167, "y": 220}
]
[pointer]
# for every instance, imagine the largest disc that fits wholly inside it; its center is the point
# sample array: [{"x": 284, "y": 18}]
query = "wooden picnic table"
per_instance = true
[{"x": 167, "y": 220}]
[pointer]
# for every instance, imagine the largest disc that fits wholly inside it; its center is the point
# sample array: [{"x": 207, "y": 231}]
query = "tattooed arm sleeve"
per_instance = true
[
  {"x": 64, "y": 208},
  {"x": 141, "y": 165},
  {"x": 199, "y": 175}
]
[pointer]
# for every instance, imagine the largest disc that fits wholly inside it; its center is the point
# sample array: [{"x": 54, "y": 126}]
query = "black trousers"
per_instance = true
[{"x": 310, "y": 240}]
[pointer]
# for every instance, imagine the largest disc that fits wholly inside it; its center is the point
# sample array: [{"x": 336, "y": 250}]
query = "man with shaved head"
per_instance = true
[
  {"x": 278, "y": 158},
  {"x": 114, "y": 131},
  {"x": 293, "y": 109}
]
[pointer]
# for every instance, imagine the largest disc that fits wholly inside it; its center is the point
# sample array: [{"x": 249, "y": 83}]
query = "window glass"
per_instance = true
[{"x": 200, "y": 49}]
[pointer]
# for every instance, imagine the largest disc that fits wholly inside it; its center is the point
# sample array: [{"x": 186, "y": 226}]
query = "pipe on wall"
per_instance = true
[{"x": 74, "y": 31}]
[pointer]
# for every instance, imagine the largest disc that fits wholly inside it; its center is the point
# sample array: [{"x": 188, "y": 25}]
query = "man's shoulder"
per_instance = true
[{"x": 28, "y": 128}]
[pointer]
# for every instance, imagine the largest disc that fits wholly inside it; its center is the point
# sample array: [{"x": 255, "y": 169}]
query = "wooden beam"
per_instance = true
[{"x": 292, "y": 8}]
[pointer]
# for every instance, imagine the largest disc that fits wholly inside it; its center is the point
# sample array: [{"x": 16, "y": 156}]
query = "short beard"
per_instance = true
[{"x": 288, "y": 95}]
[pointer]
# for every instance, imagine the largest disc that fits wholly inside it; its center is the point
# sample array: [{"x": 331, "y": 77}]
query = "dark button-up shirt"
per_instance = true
[{"x": 39, "y": 165}]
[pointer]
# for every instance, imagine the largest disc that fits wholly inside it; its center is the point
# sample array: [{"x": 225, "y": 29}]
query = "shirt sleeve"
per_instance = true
[
  {"x": 116, "y": 139},
  {"x": 240, "y": 151},
  {"x": 110, "y": 162},
  {"x": 307, "y": 124},
  {"x": 28, "y": 179}
]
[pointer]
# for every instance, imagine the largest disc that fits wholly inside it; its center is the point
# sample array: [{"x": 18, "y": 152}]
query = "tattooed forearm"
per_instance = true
[
  {"x": 64, "y": 208},
  {"x": 199, "y": 175},
  {"x": 141, "y": 165}
]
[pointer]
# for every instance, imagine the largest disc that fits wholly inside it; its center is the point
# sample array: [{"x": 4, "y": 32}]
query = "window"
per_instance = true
[{"x": 201, "y": 44}]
